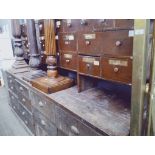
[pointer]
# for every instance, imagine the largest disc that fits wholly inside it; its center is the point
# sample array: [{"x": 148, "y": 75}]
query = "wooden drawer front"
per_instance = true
[
  {"x": 117, "y": 69},
  {"x": 90, "y": 43},
  {"x": 67, "y": 42},
  {"x": 89, "y": 65},
  {"x": 124, "y": 23},
  {"x": 90, "y": 25},
  {"x": 71, "y": 126},
  {"x": 26, "y": 117},
  {"x": 26, "y": 102},
  {"x": 69, "y": 25},
  {"x": 25, "y": 113},
  {"x": 40, "y": 131},
  {"x": 44, "y": 123},
  {"x": 117, "y": 43},
  {"x": 13, "y": 98},
  {"x": 22, "y": 89},
  {"x": 68, "y": 60},
  {"x": 45, "y": 107},
  {"x": 11, "y": 83}
]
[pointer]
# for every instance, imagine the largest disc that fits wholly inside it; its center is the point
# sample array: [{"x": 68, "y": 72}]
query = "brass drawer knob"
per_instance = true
[
  {"x": 118, "y": 43},
  {"x": 12, "y": 87},
  {"x": 116, "y": 69},
  {"x": 10, "y": 81},
  {"x": 74, "y": 130},
  {"x": 23, "y": 100},
  {"x": 67, "y": 61},
  {"x": 41, "y": 104},
  {"x": 23, "y": 113},
  {"x": 87, "y": 42},
  {"x": 14, "y": 107},
  {"x": 43, "y": 122},
  {"x": 21, "y": 88}
]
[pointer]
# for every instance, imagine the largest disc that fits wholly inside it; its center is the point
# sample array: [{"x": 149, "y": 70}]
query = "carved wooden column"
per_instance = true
[
  {"x": 35, "y": 60},
  {"x": 20, "y": 64},
  {"x": 52, "y": 82}
]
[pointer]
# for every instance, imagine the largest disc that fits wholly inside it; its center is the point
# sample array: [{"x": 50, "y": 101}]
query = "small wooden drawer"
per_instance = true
[
  {"x": 67, "y": 42},
  {"x": 26, "y": 102},
  {"x": 68, "y": 25},
  {"x": 26, "y": 117},
  {"x": 117, "y": 43},
  {"x": 71, "y": 126},
  {"x": 22, "y": 89},
  {"x": 68, "y": 60},
  {"x": 117, "y": 69},
  {"x": 44, "y": 124},
  {"x": 90, "y": 25},
  {"x": 13, "y": 98},
  {"x": 46, "y": 107},
  {"x": 124, "y": 23},
  {"x": 90, "y": 43},
  {"x": 11, "y": 82},
  {"x": 89, "y": 65}
]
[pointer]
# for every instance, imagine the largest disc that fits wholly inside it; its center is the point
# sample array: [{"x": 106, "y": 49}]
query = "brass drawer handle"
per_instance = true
[
  {"x": 41, "y": 104},
  {"x": 74, "y": 130},
  {"x": 116, "y": 69},
  {"x": 21, "y": 88},
  {"x": 43, "y": 123}
]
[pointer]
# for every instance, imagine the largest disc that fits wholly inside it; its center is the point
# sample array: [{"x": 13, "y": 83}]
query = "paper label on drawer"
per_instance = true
[
  {"x": 68, "y": 56},
  {"x": 88, "y": 60},
  {"x": 118, "y": 62},
  {"x": 139, "y": 32},
  {"x": 69, "y": 37},
  {"x": 96, "y": 63},
  {"x": 89, "y": 36},
  {"x": 131, "y": 33}
]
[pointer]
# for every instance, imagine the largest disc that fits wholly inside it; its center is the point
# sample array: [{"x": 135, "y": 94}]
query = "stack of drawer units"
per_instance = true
[
  {"x": 20, "y": 101},
  {"x": 96, "y": 47}
]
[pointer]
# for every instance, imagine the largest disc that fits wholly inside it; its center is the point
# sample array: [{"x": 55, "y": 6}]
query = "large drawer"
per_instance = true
[
  {"x": 42, "y": 123},
  {"x": 116, "y": 43},
  {"x": 71, "y": 126},
  {"x": 46, "y": 107},
  {"x": 68, "y": 60},
  {"x": 89, "y": 65},
  {"x": 117, "y": 69},
  {"x": 67, "y": 42},
  {"x": 22, "y": 89}
]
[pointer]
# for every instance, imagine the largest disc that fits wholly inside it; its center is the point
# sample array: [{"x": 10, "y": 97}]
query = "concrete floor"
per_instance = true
[{"x": 10, "y": 124}]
